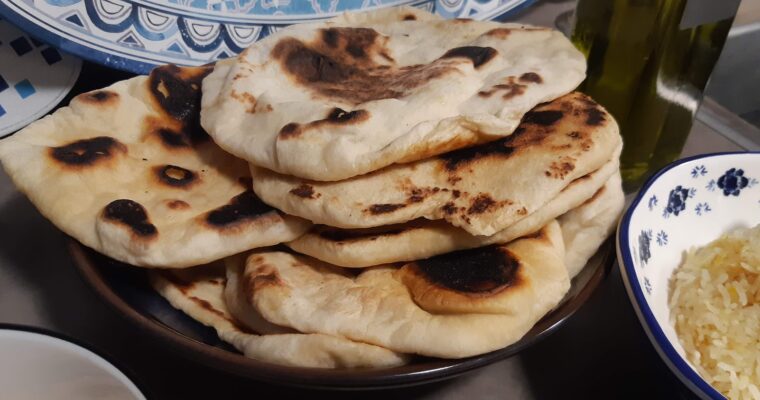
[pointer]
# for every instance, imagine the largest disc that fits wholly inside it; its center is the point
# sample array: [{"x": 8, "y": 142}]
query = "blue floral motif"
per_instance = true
[
  {"x": 662, "y": 238},
  {"x": 645, "y": 239},
  {"x": 677, "y": 200},
  {"x": 652, "y": 202},
  {"x": 732, "y": 182},
  {"x": 648, "y": 286},
  {"x": 698, "y": 171},
  {"x": 702, "y": 208},
  {"x": 711, "y": 185}
]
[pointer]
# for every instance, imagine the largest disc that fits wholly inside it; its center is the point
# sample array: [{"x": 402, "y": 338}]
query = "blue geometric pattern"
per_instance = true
[
  {"x": 51, "y": 55},
  {"x": 74, "y": 19},
  {"x": 34, "y": 77},
  {"x": 135, "y": 35},
  {"x": 24, "y": 88},
  {"x": 21, "y": 46}
]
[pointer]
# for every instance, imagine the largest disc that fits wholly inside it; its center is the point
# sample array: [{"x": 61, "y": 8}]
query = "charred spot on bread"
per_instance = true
[
  {"x": 175, "y": 176},
  {"x": 87, "y": 152},
  {"x": 480, "y": 270},
  {"x": 245, "y": 206},
  {"x": 131, "y": 214}
]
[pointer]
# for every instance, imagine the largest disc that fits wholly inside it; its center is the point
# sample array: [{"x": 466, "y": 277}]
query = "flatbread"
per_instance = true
[
  {"x": 128, "y": 171},
  {"x": 587, "y": 226},
  {"x": 336, "y": 99},
  {"x": 199, "y": 293},
  {"x": 422, "y": 238},
  {"x": 238, "y": 308},
  {"x": 481, "y": 189},
  {"x": 455, "y": 305}
]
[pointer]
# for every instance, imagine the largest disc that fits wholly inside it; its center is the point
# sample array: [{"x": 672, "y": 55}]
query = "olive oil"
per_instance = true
[{"x": 648, "y": 64}]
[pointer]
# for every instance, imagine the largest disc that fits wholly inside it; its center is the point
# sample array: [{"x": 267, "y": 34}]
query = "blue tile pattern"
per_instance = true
[
  {"x": 51, "y": 55},
  {"x": 34, "y": 77},
  {"x": 21, "y": 46},
  {"x": 25, "y": 88}
]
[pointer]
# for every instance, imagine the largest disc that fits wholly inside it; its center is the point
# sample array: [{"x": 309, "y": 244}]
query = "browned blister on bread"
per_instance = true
[
  {"x": 453, "y": 305},
  {"x": 587, "y": 209},
  {"x": 128, "y": 171},
  {"x": 336, "y": 99},
  {"x": 490, "y": 280},
  {"x": 201, "y": 292},
  {"x": 481, "y": 189}
]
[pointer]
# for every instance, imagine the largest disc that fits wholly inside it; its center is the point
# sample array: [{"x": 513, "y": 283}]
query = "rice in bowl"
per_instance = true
[{"x": 715, "y": 305}]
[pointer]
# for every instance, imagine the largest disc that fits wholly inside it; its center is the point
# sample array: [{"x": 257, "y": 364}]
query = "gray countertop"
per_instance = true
[{"x": 601, "y": 352}]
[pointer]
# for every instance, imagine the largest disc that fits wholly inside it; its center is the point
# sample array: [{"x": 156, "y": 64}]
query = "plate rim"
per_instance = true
[
  {"x": 315, "y": 378},
  {"x": 25, "y": 23},
  {"x": 66, "y": 88},
  {"x": 646, "y": 317},
  {"x": 61, "y": 43},
  {"x": 106, "y": 356}
]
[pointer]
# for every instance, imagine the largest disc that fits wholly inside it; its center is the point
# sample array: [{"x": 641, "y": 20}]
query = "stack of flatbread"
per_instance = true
[{"x": 436, "y": 184}]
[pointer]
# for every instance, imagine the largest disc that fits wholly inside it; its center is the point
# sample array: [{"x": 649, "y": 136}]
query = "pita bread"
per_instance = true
[
  {"x": 422, "y": 238},
  {"x": 586, "y": 227},
  {"x": 240, "y": 310},
  {"x": 451, "y": 306},
  {"x": 336, "y": 99},
  {"x": 128, "y": 171},
  {"x": 199, "y": 293},
  {"x": 481, "y": 189}
]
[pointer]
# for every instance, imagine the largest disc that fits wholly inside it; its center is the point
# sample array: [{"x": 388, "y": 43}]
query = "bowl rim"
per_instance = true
[
  {"x": 105, "y": 356},
  {"x": 675, "y": 361}
]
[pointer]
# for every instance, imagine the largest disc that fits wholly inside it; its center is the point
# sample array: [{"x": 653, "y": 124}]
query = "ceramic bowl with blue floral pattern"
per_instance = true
[{"x": 687, "y": 204}]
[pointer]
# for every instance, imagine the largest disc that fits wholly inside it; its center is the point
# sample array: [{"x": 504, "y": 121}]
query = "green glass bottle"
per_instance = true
[{"x": 648, "y": 64}]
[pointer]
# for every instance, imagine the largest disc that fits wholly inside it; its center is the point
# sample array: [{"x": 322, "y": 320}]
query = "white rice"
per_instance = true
[{"x": 715, "y": 306}]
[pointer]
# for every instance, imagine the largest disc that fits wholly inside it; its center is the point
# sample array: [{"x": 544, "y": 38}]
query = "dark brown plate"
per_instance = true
[{"x": 127, "y": 289}]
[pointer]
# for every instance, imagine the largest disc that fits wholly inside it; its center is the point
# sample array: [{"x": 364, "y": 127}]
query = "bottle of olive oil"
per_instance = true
[{"x": 648, "y": 64}]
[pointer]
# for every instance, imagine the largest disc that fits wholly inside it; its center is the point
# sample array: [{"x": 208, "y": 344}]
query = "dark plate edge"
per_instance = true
[{"x": 324, "y": 378}]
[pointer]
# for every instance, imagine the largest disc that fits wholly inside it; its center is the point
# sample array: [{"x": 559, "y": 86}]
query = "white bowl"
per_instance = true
[
  {"x": 36, "y": 365},
  {"x": 688, "y": 203}
]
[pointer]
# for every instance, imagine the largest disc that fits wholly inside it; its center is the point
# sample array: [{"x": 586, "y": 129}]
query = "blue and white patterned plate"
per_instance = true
[
  {"x": 34, "y": 78},
  {"x": 135, "y": 35},
  {"x": 688, "y": 204}
]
